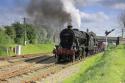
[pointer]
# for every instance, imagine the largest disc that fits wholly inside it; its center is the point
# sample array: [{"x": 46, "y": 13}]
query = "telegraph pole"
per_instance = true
[
  {"x": 25, "y": 34},
  {"x": 24, "y": 20},
  {"x": 122, "y": 32}
]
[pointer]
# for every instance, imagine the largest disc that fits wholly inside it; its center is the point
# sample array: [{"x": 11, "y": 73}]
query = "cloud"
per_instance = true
[
  {"x": 96, "y": 21},
  {"x": 119, "y": 6},
  {"x": 94, "y": 17},
  {"x": 9, "y": 16},
  {"x": 100, "y": 27},
  {"x": 115, "y": 4}
]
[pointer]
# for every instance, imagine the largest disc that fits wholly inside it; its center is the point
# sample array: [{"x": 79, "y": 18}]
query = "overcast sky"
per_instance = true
[{"x": 97, "y": 15}]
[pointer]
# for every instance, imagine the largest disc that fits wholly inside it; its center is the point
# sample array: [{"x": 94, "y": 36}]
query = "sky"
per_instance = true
[{"x": 97, "y": 15}]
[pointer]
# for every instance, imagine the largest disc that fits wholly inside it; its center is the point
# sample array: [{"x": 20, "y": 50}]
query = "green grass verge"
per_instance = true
[
  {"x": 102, "y": 68},
  {"x": 28, "y": 49},
  {"x": 4, "y": 50},
  {"x": 38, "y": 48}
]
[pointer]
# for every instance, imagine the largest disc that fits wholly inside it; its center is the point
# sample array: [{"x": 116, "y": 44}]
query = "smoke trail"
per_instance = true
[
  {"x": 48, "y": 12},
  {"x": 54, "y": 12}
]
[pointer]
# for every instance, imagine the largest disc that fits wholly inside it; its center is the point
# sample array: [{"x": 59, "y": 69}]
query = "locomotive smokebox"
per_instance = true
[{"x": 69, "y": 26}]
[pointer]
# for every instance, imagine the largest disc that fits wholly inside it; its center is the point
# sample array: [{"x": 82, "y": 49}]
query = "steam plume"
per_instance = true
[{"x": 54, "y": 12}]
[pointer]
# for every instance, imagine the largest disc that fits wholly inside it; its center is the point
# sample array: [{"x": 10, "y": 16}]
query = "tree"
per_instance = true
[
  {"x": 5, "y": 41},
  {"x": 20, "y": 33},
  {"x": 4, "y": 38},
  {"x": 31, "y": 33},
  {"x": 24, "y": 32},
  {"x": 10, "y": 31}
]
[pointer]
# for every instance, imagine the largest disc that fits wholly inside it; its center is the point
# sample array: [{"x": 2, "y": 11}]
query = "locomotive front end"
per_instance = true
[{"x": 64, "y": 50}]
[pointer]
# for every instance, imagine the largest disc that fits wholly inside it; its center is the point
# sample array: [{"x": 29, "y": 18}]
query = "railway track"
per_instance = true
[
  {"x": 40, "y": 74},
  {"x": 32, "y": 70},
  {"x": 12, "y": 62},
  {"x": 49, "y": 71},
  {"x": 21, "y": 68}
]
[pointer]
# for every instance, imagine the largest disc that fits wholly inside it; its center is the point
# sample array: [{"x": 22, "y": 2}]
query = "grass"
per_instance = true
[
  {"x": 102, "y": 68},
  {"x": 29, "y": 49},
  {"x": 38, "y": 48},
  {"x": 4, "y": 49}
]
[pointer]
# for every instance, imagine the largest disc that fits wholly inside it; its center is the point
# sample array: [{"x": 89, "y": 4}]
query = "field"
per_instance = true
[
  {"x": 108, "y": 67},
  {"x": 30, "y": 49}
]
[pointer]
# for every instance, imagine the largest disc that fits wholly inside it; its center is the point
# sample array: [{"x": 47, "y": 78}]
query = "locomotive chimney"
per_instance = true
[{"x": 69, "y": 26}]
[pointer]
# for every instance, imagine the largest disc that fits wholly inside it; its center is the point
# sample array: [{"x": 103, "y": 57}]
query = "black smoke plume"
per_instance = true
[{"x": 49, "y": 13}]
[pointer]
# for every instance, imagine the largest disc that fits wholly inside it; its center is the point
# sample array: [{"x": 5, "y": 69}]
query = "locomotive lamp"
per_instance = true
[{"x": 106, "y": 34}]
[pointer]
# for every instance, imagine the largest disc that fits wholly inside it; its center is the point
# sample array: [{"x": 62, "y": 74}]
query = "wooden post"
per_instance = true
[{"x": 7, "y": 52}]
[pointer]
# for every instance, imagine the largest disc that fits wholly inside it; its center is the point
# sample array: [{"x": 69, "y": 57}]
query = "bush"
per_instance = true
[
  {"x": 3, "y": 50},
  {"x": 111, "y": 46},
  {"x": 4, "y": 39}
]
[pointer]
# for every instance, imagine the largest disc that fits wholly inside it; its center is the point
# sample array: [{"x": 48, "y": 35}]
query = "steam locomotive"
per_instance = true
[{"x": 75, "y": 44}]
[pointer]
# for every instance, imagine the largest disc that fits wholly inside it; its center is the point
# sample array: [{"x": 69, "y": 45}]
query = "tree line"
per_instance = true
[{"x": 18, "y": 33}]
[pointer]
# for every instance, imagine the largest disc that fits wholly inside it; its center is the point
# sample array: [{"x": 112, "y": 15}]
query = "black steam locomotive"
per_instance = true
[{"x": 75, "y": 44}]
